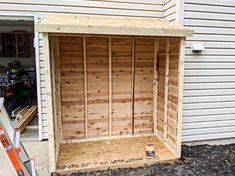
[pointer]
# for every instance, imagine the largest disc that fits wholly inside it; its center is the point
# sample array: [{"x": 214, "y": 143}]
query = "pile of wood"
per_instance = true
[{"x": 23, "y": 116}]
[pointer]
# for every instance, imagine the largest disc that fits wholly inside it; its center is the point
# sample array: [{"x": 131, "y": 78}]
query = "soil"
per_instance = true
[{"x": 203, "y": 160}]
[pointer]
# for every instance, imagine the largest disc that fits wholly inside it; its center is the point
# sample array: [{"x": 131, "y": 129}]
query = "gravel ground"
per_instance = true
[{"x": 201, "y": 160}]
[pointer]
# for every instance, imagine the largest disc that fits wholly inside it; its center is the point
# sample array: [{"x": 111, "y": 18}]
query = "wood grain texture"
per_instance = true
[
  {"x": 98, "y": 86},
  {"x": 124, "y": 152},
  {"x": 122, "y": 85},
  {"x": 72, "y": 87},
  {"x": 161, "y": 87},
  {"x": 143, "y": 91},
  {"x": 173, "y": 90},
  {"x": 117, "y": 74}
]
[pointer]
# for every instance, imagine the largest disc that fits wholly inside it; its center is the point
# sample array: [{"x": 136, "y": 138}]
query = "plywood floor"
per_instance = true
[{"x": 111, "y": 153}]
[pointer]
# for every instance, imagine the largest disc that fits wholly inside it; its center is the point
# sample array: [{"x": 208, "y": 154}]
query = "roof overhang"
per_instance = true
[{"x": 106, "y": 25}]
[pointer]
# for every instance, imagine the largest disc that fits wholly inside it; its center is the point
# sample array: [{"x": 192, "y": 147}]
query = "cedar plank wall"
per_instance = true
[
  {"x": 71, "y": 69},
  {"x": 134, "y": 8},
  {"x": 72, "y": 87},
  {"x": 168, "y": 125},
  {"x": 121, "y": 86},
  {"x": 143, "y": 86},
  {"x": 98, "y": 86},
  {"x": 209, "y": 84},
  {"x": 172, "y": 99},
  {"x": 161, "y": 87}
]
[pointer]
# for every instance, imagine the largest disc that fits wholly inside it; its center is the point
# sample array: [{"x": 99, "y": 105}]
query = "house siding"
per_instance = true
[
  {"x": 170, "y": 10},
  {"x": 130, "y": 8},
  {"x": 209, "y": 84}
]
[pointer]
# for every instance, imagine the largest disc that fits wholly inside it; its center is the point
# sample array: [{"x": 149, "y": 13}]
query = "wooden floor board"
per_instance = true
[{"x": 123, "y": 152}]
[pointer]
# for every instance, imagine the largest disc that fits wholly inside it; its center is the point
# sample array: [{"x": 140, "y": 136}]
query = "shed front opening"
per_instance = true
[{"x": 115, "y": 89}]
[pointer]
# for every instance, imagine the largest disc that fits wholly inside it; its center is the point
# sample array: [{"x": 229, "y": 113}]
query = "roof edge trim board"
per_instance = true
[{"x": 110, "y": 26}]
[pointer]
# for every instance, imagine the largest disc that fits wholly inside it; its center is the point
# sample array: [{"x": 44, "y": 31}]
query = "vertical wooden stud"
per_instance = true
[
  {"x": 133, "y": 87},
  {"x": 58, "y": 84},
  {"x": 166, "y": 87},
  {"x": 155, "y": 85},
  {"x": 180, "y": 96},
  {"x": 85, "y": 86},
  {"x": 110, "y": 86}
]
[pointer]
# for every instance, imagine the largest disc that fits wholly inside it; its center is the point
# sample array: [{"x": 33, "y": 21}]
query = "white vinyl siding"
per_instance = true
[
  {"x": 145, "y": 8},
  {"x": 170, "y": 10},
  {"x": 209, "y": 84},
  {"x": 131, "y": 8}
]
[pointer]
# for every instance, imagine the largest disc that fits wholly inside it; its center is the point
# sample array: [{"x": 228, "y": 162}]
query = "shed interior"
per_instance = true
[{"x": 113, "y": 98}]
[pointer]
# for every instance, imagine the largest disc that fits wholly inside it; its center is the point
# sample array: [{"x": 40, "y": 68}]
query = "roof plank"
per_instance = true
[{"x": 106, "y": 25}]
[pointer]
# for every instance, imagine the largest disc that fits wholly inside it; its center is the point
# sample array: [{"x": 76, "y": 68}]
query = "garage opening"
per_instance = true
[
  {"x": 18, "y": 74},
  {"x": 114, "y": 90}
]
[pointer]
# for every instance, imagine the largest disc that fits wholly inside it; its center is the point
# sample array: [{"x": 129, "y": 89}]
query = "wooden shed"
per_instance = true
[{"x": 114, "y": 90}]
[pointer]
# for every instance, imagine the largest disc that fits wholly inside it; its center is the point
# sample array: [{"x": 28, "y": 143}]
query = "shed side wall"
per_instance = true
[{"x": 209, "y": 87}]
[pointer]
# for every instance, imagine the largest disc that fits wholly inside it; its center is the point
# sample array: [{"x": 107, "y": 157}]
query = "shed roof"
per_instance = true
[{"x": 61, "y": 23}]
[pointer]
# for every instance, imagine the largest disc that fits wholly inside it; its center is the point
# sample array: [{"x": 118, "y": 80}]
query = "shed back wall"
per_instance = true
[{"x": 86, "y": 66}]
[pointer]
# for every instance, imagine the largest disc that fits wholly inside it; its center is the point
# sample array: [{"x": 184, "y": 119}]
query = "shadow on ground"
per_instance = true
[{"x": 201, "y": 160}]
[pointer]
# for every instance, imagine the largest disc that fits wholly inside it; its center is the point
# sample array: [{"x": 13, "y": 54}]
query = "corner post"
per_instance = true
[
  {"x": 180, "y": 96},
  {"x": 51, "y": 135}
]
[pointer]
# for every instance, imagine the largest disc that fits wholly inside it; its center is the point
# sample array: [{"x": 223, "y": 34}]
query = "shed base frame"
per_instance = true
[{"x": 114, "y": 153}]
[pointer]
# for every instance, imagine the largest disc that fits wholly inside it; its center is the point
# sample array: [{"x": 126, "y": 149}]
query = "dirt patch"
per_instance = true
[{"x": 200, "y": 160}]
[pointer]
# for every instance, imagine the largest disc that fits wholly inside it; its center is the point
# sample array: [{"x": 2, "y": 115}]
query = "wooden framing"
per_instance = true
[
  {"x": 110, "y": 86},
  {"x": 180, "y": 96},
  {"x": 56, "y": 99},
  {"x": 132, "y": 85},
  {"x": 155, "y": 84},
  {"x": 51, "y": 135},
  {"x": 85, "y": 85},
  {"x": 166, "y": 87}
]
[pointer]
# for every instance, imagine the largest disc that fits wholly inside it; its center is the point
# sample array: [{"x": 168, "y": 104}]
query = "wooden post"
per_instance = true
[
  {"x": 166, "y": 87},
  {"x": 58, "y": 92},
  {"x": 155, "y": 85},
  {"x": 55, "y": 71},
  {"x": 133, "y": 87},
  {"x": 180, "y": 97},
  {"x": 110, "y": 86},
  {"x": 85, "y": 86},
  {"x": 54, "y": 44},
  {"x": 51, "y": 135}
]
